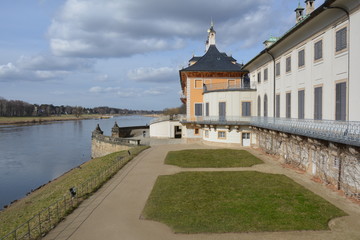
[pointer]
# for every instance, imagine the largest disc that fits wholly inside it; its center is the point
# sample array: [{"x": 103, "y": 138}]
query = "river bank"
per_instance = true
[
  {"x": 22, "y": 210},
  {"x": 37, "y": 120}
]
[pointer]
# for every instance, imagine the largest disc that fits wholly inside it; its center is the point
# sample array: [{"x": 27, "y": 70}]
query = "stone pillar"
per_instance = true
[
  {"x": 115, "y": 131},
  {"x": 97, "y": 130}
]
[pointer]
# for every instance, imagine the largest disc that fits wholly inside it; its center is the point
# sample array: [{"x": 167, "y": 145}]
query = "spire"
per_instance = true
[{"x": 211, "y": 36}]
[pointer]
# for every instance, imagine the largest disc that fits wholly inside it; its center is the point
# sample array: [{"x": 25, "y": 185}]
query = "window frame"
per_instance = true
[
  {"x": 342, "y": 114},
  {"x": 259, "y": 77},
  {"x": 318, "y": 106},
  {"x": 301, "y": 104},
  {"x": 266, "y": 74},
  {"x": 277, "y": 69},
  {"x": 303, "y": 58},
  {"x": 321, "y": 56},
  {"x": 345, "y": 48},
  {"x": 288, "y": 105},
  {"x": 288, "y": 64},
  {"x": 221, "y": 132},
  {"x": 202, "y": 110},
  {"x": 201, "y": 84},
  {"x": 242, "y": 108}
]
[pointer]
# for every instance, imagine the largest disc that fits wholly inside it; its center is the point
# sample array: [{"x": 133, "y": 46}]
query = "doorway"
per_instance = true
[
  {"x": 246, "y": 139},
  {"x": 177, "y": 132}
]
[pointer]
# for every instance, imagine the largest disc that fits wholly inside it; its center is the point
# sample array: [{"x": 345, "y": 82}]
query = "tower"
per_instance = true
[
  {"x": 309, "y": 6},
  {"x": 299, "y": 13},
  {"x": 211, "y": 36}
]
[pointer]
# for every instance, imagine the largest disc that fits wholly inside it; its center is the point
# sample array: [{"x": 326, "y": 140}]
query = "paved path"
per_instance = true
[{"x": 114, "y": 212}]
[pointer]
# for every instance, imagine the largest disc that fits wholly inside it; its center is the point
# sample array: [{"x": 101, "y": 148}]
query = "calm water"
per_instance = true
[{"x": 32, "y": 155}]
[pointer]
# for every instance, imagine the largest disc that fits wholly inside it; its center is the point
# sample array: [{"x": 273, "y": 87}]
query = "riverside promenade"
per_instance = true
[{"x": 114, "y": 212}]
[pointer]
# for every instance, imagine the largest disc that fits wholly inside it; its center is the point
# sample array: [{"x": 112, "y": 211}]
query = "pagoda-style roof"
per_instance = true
[{"x": 214, "y": 61}]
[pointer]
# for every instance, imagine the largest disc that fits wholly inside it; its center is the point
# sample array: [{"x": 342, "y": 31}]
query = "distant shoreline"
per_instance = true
[{"x": 39, "y": 120}]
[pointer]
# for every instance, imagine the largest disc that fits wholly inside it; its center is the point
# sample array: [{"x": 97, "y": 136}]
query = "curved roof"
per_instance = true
[{"x": 214, "y": 61}]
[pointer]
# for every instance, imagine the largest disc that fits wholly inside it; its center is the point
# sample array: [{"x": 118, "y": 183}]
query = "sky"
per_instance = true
[{"x": 123, "y": 53}]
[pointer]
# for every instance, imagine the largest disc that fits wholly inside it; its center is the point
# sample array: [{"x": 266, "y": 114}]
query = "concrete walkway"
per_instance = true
[{"x": 114, "y": 212}]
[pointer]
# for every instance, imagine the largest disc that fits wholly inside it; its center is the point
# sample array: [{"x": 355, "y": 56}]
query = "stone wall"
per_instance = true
[
  {"x": 103, "y": 145},
  {"x": 333, "y": 163}
]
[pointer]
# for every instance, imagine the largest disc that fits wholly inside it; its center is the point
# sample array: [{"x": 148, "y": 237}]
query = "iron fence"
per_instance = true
[
  {"x": 346, "y": 132},
  {"x": 42, "y": 222}
]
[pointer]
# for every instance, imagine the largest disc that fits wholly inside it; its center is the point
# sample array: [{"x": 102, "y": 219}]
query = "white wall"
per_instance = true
[
  {"x": 233, "y": 101},
  {"x": 164, "y": 129},
  {"x": 326, "y": 73}
]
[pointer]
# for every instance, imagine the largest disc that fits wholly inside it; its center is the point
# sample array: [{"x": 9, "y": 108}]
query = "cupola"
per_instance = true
[{"x": 211, "y": 37}]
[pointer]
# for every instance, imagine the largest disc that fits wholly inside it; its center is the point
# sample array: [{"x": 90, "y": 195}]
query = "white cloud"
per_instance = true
[
  {"x": 110, "y": 28},
  {"x": 42, "y": 67},
  {"x": 149, "y": 74}
]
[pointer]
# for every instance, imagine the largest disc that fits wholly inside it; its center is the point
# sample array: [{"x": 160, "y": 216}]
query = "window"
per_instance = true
[
  {"x": 198, "y": 83},
  {"x": 265, "y": 106},
  {"x": 318, "y": 50},
  {"x": 259, "y": 77},
  {"x": 206, "y": 133},
  {"x": 318, "y": 103},
  {"x": 277, "y": 69},
  {"x": 265, "y": 74},
  {"x": 221, "y": 134},
  {"x": 340, "y": 112},
  {"x": 288, "y": 64},
  {"x": 196, "y": 131},
  {"x": 341, "y": 39},
  {"x": 301, "y": 104},
  {"x": 288, "y": 105},
  {"x": 277, "y": 110},
  {"x": 231, "y": 83},
  {"x": 207, "y": 109},
  {"x": 259, "y": 106},
  {"x": 222, "y": 110},
  {"x": 301, "y": 58},
  {"x": 198, "y": 109},
  {"x": 246, "y": 109}
]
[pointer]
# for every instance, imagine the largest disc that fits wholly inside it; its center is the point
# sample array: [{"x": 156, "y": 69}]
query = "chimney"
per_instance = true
[{"x": 309, "y": 6}]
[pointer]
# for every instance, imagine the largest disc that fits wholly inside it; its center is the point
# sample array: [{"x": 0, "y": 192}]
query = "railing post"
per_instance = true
[
  {"x": 29, "y": 231},
  {"x": 40, "y": 224}
]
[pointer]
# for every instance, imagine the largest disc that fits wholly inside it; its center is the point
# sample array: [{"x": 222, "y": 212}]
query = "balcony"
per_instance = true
[
  {"x": 236, "y": 86},
  {"x": 344, "y": 132}
]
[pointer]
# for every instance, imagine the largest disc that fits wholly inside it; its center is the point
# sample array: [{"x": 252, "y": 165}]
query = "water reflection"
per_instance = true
[{"x": 32, "y": 155}]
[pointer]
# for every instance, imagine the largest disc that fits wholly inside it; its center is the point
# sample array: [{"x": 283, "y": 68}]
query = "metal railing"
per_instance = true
[
  {"x": 42, "y": 222},
  {"x": 346, "y": 132},
  {"x": 233, "y": 86},
  {"x": 178, "y": 117}
]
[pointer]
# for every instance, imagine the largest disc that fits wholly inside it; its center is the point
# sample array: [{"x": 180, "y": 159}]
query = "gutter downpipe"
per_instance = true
[
  {"x": 347, "y": 87},
  {"x": 274, "y": 78}
]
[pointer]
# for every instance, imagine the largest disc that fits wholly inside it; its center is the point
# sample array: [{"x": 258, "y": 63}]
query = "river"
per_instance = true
[{"x": 32, "y": 155}]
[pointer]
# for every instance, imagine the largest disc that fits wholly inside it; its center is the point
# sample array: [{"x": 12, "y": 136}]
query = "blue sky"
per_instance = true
[{"x": 123, "y": 53}]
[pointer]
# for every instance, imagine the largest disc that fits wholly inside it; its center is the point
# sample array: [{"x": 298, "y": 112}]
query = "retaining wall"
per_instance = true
[{"x": 335, "y": 164}]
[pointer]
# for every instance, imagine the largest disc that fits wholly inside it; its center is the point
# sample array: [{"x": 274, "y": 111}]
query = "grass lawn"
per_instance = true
[
  {"x": 220, "y": 202},
  {"x": 211, "y": 158},
  {"x": 25, "y": 208}
]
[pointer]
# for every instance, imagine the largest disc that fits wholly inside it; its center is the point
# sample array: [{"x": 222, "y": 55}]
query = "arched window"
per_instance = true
[
  {"x": 259, "y": 106},
  {"x": 265, "y": 106}
]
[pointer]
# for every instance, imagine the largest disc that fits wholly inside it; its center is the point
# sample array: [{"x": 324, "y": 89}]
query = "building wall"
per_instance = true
[
  {"x": 354, "y": 83},
  {"x": 195, "y": 94},
  {"x": 332, "y": 69},
  {"x": 232, "y": 134},
  {"x": 164, "y": 129},
  {"x": 233, "y": 101}
]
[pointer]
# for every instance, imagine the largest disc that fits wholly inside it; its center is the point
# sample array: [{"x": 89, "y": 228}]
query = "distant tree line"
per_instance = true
[
  {"x": 17, "y": 108},
  {"x": 175, "y": 111}
]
